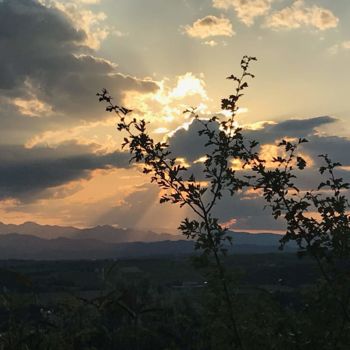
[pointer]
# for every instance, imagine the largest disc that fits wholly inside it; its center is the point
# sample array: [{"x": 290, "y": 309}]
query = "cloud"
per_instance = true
[
  {"x": 210, "y": 26},
  {"x": 292, "y": 128},
  {"x": 78, "y": 202},
  {"x": 188, "y": 85},
  {"x": 164, "y": 108},
  {"x": 319, "y": 143},
  {"x": 298, "y": 15},
  {"x": 45, "y": 58},
  {"x": 344, "y": 46},
  {"x": 335, "y": 146},
  {"x": 245, "y": 209},
  {"x": 211, "y": 43},
  {"x": 15, "y": 127},
  {"x": 246, "y": 212},
  {"x": 186, "y": 143},
  {"x": 90, "y": 2},
  {"x": 40, "y": 126},
  {"x": 246, "y": 10},
  {"x": 29, "y": 174},
  {"x": 26, "y": 174},
  {"x": 91, "y": 22}
]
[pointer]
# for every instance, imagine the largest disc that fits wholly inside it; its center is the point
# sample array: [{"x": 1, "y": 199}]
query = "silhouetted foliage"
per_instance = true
[
  {"x": 280, "y": 302},
  {"x": 179, "y": 187},
  {"x": 319, "y": 222},
  {"x": 324, "y": 237}
]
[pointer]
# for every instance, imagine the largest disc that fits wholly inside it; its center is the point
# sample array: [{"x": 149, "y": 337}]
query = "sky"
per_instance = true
[{"x": 60, "y": 156}]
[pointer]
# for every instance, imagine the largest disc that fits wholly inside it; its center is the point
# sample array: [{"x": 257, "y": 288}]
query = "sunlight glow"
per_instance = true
[
  {"x": 200, "y": 160},
  {"x": 189, "y": 85}
]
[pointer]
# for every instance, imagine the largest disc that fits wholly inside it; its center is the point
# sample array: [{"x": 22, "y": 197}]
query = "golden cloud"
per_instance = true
[
  {"x": 91, "y": 22},
  {"x": 210, "y": 26},
  {"x": 246, "y": 10},
  {"x": 298, "y": 15}
]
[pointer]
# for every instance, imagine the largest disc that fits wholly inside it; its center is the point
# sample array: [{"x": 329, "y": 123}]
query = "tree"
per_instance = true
[
  {"x": 325, "y": 238},
  {"x": 317, "y": 220},
  {"x": 181, "y": 187}
]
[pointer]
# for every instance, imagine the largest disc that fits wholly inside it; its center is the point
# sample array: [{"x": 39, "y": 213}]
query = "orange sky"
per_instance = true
[{"x": 61, "y": 156}]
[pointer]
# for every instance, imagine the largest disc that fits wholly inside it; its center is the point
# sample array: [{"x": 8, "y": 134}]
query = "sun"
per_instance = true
[{"x": 189, "y": 85}]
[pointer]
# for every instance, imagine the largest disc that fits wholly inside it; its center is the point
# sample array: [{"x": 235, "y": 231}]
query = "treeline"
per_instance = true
[{"x": 132, "y": 310}]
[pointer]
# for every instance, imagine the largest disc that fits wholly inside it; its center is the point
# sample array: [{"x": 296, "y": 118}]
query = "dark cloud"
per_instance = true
[
  {"x": 26, "y": 174},
  {"x": 248, "y": 209},
  {"x": 186, "y": 143},
  {"x": 249, "y": 212},
  {"x": 298, "y": 127},
  {"x": 15, "y": 128},
  {"x": 288, "y": 128},
  {"x": 44, "y": 58},
  {"x": 335, "y": 146},
  {"x": 31, "y": 37},
  {"x": 43, "y": 54}
]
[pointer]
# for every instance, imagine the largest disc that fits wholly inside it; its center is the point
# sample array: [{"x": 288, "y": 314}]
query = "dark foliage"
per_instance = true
[
  {"x": 325, "y": 238},
  {"x": 220, "y": 314}
]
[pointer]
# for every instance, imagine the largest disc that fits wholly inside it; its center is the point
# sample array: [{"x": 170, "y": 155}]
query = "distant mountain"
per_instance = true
[
  {"x": 34, "y": 241},
  {"x": 25, "y": 247},
  {"x": 103, "y": 233},
  {"x": 111, "y": 234},
  {"x": 42, "y": 231}
]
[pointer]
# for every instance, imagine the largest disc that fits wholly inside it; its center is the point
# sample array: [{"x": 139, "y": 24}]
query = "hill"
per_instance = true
[
  {"x": 111, "y": 234},
  {"x": 27, "y": 247},
  {"x": 103, "y": 233}
]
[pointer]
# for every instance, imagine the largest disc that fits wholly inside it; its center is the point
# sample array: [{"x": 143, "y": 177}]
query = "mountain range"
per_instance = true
[
  {"x": 103, "y": 233},
  {"x": 45, "y": 242}
]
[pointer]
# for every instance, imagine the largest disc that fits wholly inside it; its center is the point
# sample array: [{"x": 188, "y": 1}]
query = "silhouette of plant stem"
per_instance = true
[
  {"x": 326, "y": 240},
  {"x": 226, "y": 142}
]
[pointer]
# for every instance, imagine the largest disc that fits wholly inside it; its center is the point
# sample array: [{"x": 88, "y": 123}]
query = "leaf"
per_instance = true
[{"x": 301, "y": 163}]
